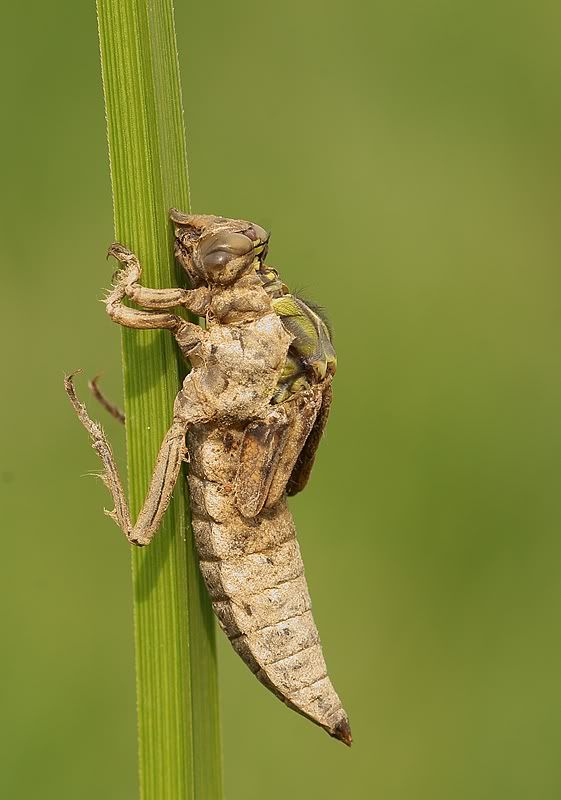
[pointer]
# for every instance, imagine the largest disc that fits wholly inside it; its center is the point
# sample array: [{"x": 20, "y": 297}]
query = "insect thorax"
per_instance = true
[{"x": 311, "y": 356}]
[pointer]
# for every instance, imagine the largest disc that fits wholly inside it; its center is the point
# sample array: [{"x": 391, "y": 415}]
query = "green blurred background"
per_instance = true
[{"x": 406, "y": 157}]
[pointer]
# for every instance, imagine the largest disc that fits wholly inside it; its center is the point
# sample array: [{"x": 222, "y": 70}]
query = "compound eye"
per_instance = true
[
  {"x": 255, "y": 232},
  {"x": 218, "y": 258},
  {"x": 222, "y": 247}
]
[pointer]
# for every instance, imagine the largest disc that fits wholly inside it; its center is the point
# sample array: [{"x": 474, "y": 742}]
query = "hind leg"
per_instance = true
[{"x": 166, "y": 469}]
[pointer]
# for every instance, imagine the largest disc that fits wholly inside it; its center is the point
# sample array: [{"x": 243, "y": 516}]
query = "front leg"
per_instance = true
[
  {"x": 132, "y": 317},
  {"x": 194, "y": 300},
  {"x": 187, "y": 410},
  {"x": 188, "y": 336}
]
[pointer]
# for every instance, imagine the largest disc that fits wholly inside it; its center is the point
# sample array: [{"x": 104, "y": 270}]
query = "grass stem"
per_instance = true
[{"x": 179, "y": 745}]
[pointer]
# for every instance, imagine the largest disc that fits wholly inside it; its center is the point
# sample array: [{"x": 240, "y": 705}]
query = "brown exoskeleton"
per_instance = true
[{"x": 250, "y": 415}]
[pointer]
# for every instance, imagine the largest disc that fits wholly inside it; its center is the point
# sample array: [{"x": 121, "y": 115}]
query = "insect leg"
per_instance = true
[
  {"x": 131, "y": 317},
  {"x": 194, "y": 300},
  {"x": 187, "y": 334},
  {"x": 166, "y": 470},
  {"x": 112, "y": 409}
]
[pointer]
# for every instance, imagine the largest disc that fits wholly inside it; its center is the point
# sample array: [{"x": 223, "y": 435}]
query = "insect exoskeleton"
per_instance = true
[{"x": 250, "y": 416}]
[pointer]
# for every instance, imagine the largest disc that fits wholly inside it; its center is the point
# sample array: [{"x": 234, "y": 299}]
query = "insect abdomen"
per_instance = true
[{"x": 255, "y": 577}]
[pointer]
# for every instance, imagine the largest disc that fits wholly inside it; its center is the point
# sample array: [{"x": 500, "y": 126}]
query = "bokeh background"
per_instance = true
[{"x": 406, "y": 157}]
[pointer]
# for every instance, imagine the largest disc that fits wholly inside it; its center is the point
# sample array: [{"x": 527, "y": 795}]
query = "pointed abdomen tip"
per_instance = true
[{"x": 342, "y": 731}]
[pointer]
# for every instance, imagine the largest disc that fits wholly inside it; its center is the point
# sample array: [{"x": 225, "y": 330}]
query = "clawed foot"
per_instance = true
[
  {"x": 120, "y": 252},
  {"x": 130, "y": 266}
]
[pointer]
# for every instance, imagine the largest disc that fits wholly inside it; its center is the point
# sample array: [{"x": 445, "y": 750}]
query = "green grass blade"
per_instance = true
[{"x": 179, "y": 745}]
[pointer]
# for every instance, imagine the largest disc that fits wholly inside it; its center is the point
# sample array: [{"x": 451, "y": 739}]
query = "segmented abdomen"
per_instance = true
[{"x": 255, "y": 577}]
